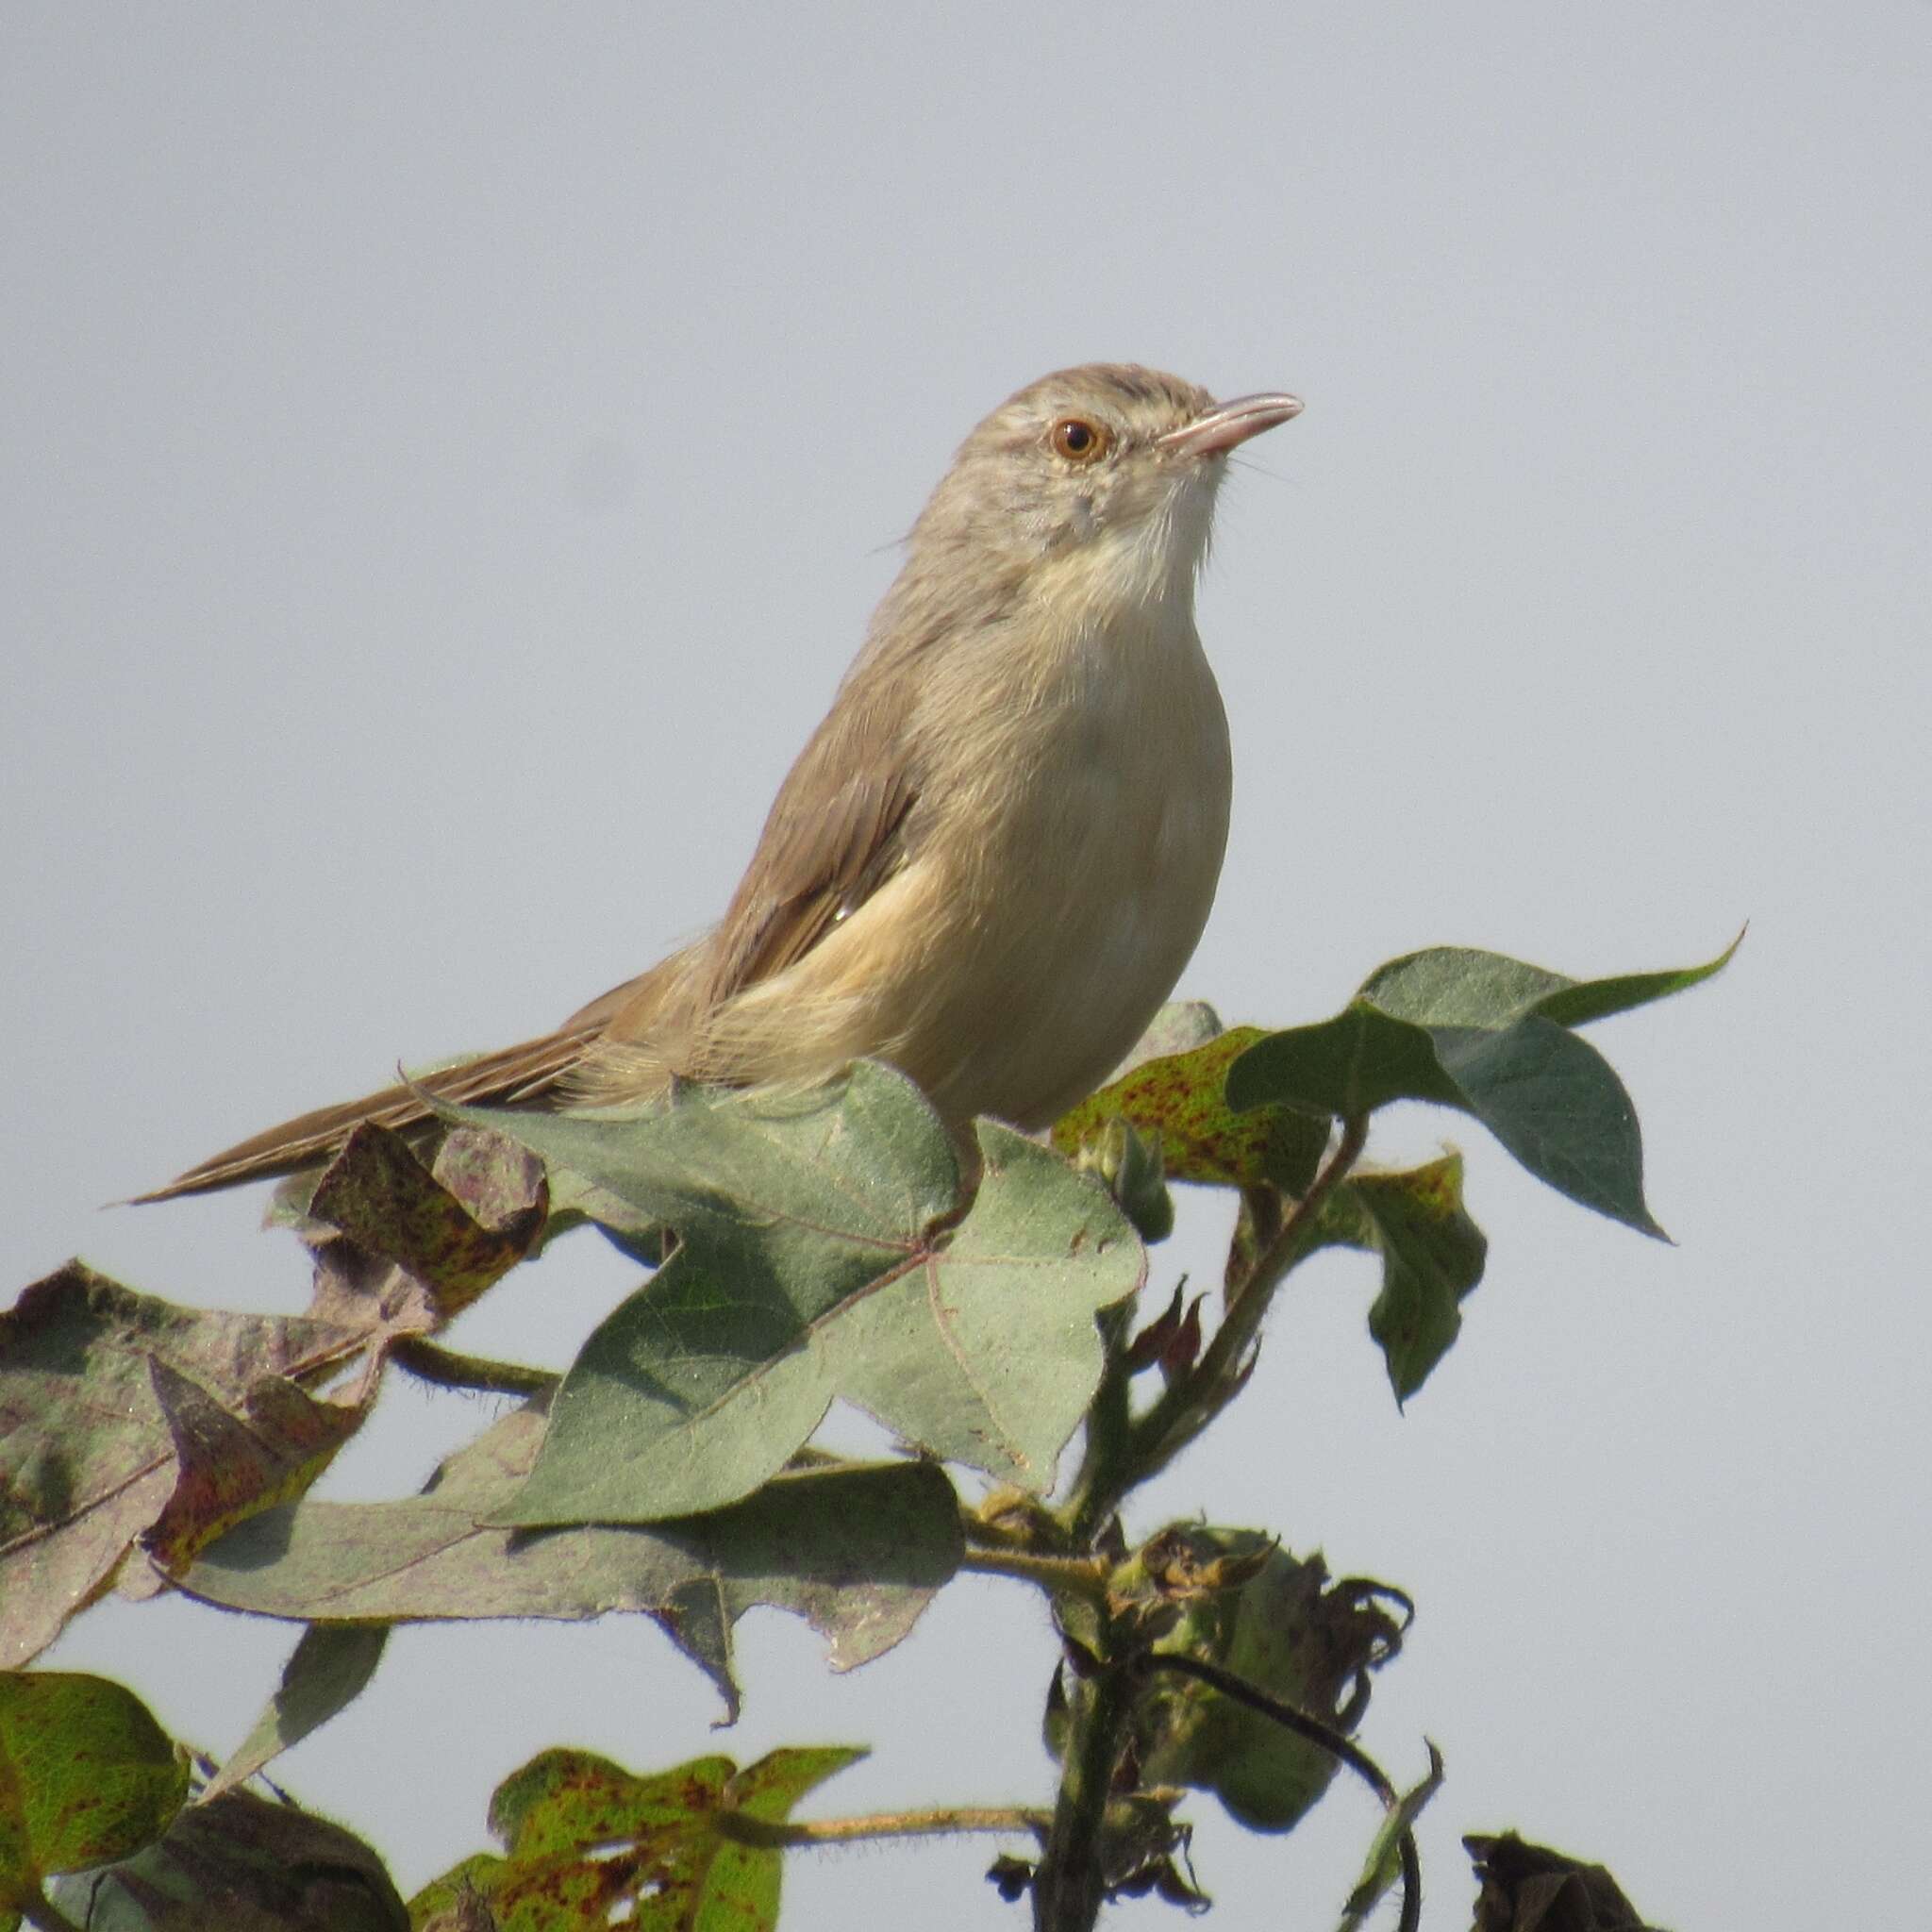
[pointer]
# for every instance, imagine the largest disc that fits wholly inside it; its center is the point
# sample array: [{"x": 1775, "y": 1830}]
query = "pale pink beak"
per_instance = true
[{"x": 1228, "y": 424}]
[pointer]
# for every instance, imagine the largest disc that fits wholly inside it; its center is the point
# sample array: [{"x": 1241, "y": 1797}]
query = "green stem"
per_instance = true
[
  {"x": 1301, "y": 1723},
  {"x": 934, "y": 1822},
  {"x": 1081, "y": 1576},
  {"x": 1110, "y": 1432},
  {"x": 1193, "y": 1401},
  {"x": 1326, "y": 1737},
  {"x": 446, "y": 1369},
  {"x": 1070, "y": 1884}
]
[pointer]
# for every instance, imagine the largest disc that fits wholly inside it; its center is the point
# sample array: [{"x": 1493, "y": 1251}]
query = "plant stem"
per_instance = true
[
  {"x": 1194, "y": 1399},
  {"x": 937, "y": 1821},
  {"x": 1070, "y": 1884},
  {"x": 1326, "y": 1737},
  {"x": 1220, "y": 1362},
  {"x": 446, "y": 1369},
  {"x": 1109, "y": 1416},
  {"x": 1082, "y": 1576}
]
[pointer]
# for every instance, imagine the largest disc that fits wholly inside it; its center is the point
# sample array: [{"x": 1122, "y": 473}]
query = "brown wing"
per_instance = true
[
  {"x": 838, "y": 830},
  {"x": 811, "y": 872}
]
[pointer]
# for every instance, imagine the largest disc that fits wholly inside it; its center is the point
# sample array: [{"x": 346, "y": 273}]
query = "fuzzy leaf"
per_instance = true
[
  {"x": 856, "y": 1551},
  {"x": 328, "y": 1668},
  {"x": 118, "y": 1414},
  {"x": 1460, "y": 986},
  {"x": 822, "y": 1254}
]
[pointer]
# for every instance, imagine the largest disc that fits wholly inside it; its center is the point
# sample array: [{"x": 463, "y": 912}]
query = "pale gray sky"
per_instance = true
[{"x": 448, "y": 457}]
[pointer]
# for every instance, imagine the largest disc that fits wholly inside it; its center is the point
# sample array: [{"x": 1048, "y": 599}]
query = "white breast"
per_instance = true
[{"x": 1090, "y": 836}]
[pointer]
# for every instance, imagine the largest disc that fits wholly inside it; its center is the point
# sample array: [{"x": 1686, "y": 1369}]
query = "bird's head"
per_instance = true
[{"x": 1098, "y": 481}]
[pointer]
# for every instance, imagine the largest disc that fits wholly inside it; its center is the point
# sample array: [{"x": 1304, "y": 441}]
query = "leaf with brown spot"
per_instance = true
[
  {"x": 1181, "y": 1099},
  {"x": 86, "y": 1776},
  {"x": 588, "y": 1843},
  {"x": 452, "y": 1233},
  {"x": 229, "y": 1466},
  {"x": 88, "y": 1457}
]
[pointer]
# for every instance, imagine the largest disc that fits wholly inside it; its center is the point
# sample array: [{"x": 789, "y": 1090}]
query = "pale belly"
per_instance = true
[
  {"x": 1090, "y": 888},
  {"x": 1068, "y": 852}
]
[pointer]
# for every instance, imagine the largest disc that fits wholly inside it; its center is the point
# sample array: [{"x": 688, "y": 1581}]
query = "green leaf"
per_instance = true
[
  {"x": 821, "y": 1255},
  {"x": 1181, "y": 1098},
  {"x": 328, "y": 1669},
  {"x": 1432, "y": 1256},
  {"x": 856, "y": 1551},
  {"x": 1382, "y": 1865},
  {"x": 122, "y": 1415},
  {"x": 1276, "y": 1620},
  {"x": 589, "y": 1843},
  {"x": 241, "y": 1863},
  {"x": 1556, "y": 1104},
  {"x": 1489, "y": 1036},
  {"x": 86, "y": 1776},
  {"x": 1459, "y": 986},
  {"x": 1361, "y": 1060}
]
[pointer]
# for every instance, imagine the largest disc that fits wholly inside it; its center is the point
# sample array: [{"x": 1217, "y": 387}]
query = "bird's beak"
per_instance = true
[{"x": 1228, "y": 424}]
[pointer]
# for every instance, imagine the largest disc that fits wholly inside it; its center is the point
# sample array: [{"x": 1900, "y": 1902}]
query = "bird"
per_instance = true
[{"x": 995, "y": 854}]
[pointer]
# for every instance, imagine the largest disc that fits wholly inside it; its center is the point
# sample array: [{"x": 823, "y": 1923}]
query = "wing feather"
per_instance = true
[
  {"x": 513, "y": 1073},
  {"x": 844, "y": 821}
]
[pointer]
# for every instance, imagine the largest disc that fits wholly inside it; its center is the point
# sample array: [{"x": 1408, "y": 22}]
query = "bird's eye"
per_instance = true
[{"x": 1079, "y": 441}]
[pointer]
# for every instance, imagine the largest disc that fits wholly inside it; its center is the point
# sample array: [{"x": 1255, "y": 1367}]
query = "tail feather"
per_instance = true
[{"x": 515, "y": 1074}]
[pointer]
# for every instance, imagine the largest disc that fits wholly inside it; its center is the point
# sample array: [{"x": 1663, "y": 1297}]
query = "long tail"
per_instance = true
[{"x": 515, "y": 1073}]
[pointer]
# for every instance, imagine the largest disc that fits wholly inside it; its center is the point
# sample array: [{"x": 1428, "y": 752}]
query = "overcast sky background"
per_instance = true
[{"x": 448, "y": 457}]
